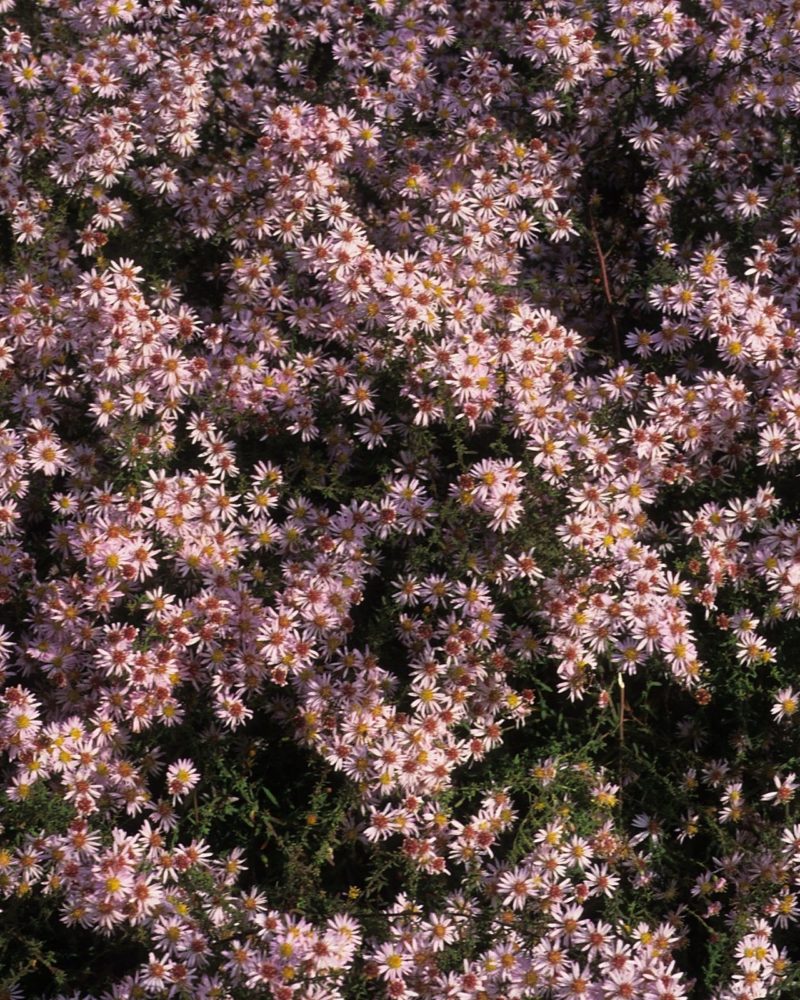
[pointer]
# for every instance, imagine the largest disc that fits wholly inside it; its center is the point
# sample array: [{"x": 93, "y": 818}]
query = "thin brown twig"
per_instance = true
[{"x": 606, "y": 284}]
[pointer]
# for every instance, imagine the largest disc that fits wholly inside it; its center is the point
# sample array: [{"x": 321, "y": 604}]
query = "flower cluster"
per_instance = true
[{"x": 364, "y": 368}]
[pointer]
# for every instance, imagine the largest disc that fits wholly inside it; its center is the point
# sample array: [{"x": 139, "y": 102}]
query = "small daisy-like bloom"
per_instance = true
[
  {"x": 392, "y": 961},
  {"x": 6, "y": 645},
  {"x": 441, "y": 931},
  {"x": 671, "y": 92},
  {"x": 358, "y": 397},
  {"x": 749, "y": 202},
  {"x": 648, "y": 827},
  {"x": 784, "y": 789},
  {"x": 373, "y": 431},
  {"x": 644, "y": 134},
  {"x": 773, "y": 443},
  {"x": 601, "y": 881},
  {"x": 791, "y": 838},
  {"x": 181, "y": 778},
  {"x": 791, "y": 227},
  {"x": 561, "y": 227},
  {"x": 516, "y": 888},
  {"x": 27, "y": 74},
  {"x": 786, "y": 704},
  {"x": 47, "y": 457}
]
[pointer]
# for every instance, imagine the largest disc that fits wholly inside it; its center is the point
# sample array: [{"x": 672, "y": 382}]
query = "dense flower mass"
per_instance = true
[{"x": 389, "y": 390}]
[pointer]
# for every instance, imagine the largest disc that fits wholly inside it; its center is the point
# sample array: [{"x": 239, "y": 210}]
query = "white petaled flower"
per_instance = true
[{"x": 182, "y": 777}]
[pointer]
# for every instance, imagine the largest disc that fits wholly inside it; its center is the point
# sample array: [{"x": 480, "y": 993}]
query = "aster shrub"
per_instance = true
[{"x": 399, "y": 532}]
